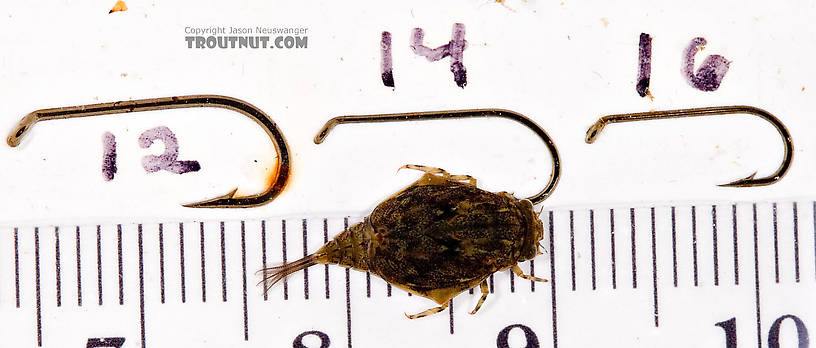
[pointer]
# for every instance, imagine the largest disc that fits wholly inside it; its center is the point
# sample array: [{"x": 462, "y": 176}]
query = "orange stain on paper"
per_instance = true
[
  {"x": 118, "y": 7},
  {"x": 270, "y": 173}
]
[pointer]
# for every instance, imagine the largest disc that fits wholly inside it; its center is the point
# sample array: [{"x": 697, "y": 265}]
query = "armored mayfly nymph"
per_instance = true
[{"x": 435, "y": 238}]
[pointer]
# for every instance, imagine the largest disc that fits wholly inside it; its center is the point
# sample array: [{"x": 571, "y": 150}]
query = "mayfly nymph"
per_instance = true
[{"x": 435, "y": 238}]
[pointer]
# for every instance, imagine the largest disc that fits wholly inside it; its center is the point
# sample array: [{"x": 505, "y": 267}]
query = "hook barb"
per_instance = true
[
  {"x": 749, "y": 181},
  {"x": 230, "y": 200},
  {"x": 457, "y": 114}
]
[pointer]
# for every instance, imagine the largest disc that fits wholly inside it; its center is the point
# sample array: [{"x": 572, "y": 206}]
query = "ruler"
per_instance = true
[{"x": 695, "y": 275}]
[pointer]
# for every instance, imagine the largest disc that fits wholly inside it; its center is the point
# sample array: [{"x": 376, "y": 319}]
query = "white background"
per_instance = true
[{"x": 562, "y": 64}]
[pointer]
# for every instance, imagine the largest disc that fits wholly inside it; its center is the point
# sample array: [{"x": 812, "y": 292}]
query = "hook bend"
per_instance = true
[
  {"x": 595, "y": 129},
  {"x": 229, "y": 200},
  {"x": 457, "y": 114}
]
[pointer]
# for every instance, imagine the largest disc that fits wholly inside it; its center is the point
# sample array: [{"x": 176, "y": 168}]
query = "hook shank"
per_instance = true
[
  {"x": 457, "y": 114},
  {"x": 228, "y": 200},
  {"x": 595, "y": 129}
]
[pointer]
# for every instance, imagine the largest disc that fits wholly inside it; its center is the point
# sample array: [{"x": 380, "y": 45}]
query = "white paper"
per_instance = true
[{"x": 562, "y": 64}]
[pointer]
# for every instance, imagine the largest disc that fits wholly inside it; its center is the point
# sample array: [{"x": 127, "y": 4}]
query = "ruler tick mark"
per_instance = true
[
  {"x": 283, "y": 242},
  {"x": 634, "y": 249},
  {"x": 796, "y": 241},
  {"x": 572, "y": 247},
  {"x": 674, "y": 244},
  {"x": 776, "y": 243},
  {"x": 756, "y": 278},
  {"x": 203, "y": 264},
  {"x": 490, "y": 283},
  {"x": 37, "y": 283},
  {"x": 368, "y": 284},
  {"x": 57, "y": 266},
  {"x": 736, "y": 244},
  {"x": 16, "y": 268},
  {"x": 450, "y": 315},
  {"x": 161, "y": 260},
  {"x": 532, "y": 274},
  {"x": 592, "y": 245},
  {"x": 552, "y": 284},
  {"x": 244, "y": 274},
  {"x": 714, "y": 245},
  {"x": 348, "y": 294},
  {"x": 141, "y": 286},
  {"x": 654, "y": 269},
  {"x": 121, "y": 275},
  {"x": 223, "y": 265},
  {"x": 348, "y": 308},
  {"x": 181, "y": 263},
  {"x": 326, "y": 267},
  {"x": 694, "y": 243},
  {"x": 512, "y": 282},
  {"x": 79, "y": 269},
  {"x": 306, "y": 270},
  {"x": 99, "y": 262}
]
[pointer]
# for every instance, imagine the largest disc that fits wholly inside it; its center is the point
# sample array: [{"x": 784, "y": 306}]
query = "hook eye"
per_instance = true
[
  {"x": 595, "y": 130},
  {"x": 229, "y": 200},
  {"x": 456, "y": 114}
]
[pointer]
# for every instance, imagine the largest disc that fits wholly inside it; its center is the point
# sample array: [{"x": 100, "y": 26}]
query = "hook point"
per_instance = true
[
  {"x": 746, "y": 182},
  {"x": 216, "y": 202}
]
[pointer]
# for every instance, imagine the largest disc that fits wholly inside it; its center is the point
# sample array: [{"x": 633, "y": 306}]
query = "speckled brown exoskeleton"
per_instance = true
[
  {"x": 435, "y": 238},
  {"x": 441, "y": 235}
]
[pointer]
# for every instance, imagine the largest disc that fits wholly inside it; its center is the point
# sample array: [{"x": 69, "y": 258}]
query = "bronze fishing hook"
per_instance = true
[
  {"x": 595, "y": 129},
  {"x": 228, "y": 200},
  {"x": 455, "y": 114}
]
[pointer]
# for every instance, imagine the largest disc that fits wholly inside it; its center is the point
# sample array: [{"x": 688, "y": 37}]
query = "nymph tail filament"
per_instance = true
[{"x": 272, "y": 275}]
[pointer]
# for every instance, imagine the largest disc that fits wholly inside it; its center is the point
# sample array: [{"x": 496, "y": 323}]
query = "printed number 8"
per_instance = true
[{"x": 324, "y": 339}]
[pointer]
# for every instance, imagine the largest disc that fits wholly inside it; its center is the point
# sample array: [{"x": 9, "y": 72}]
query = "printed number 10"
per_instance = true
[{"x": 730, "y": 328}]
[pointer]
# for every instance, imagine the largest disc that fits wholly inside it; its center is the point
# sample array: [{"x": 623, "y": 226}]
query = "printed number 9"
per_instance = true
[{"x": 529, "y": 335}]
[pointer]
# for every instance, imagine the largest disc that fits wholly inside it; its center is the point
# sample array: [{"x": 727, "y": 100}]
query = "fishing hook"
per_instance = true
[
  {"x": 228, "y": 200},
  {"x": 455, "y": 114},
  {"x": 595, "y": 129}
]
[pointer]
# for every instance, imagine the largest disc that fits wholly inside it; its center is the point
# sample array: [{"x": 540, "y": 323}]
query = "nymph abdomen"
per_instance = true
[{"x": 454, "y": 235}]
